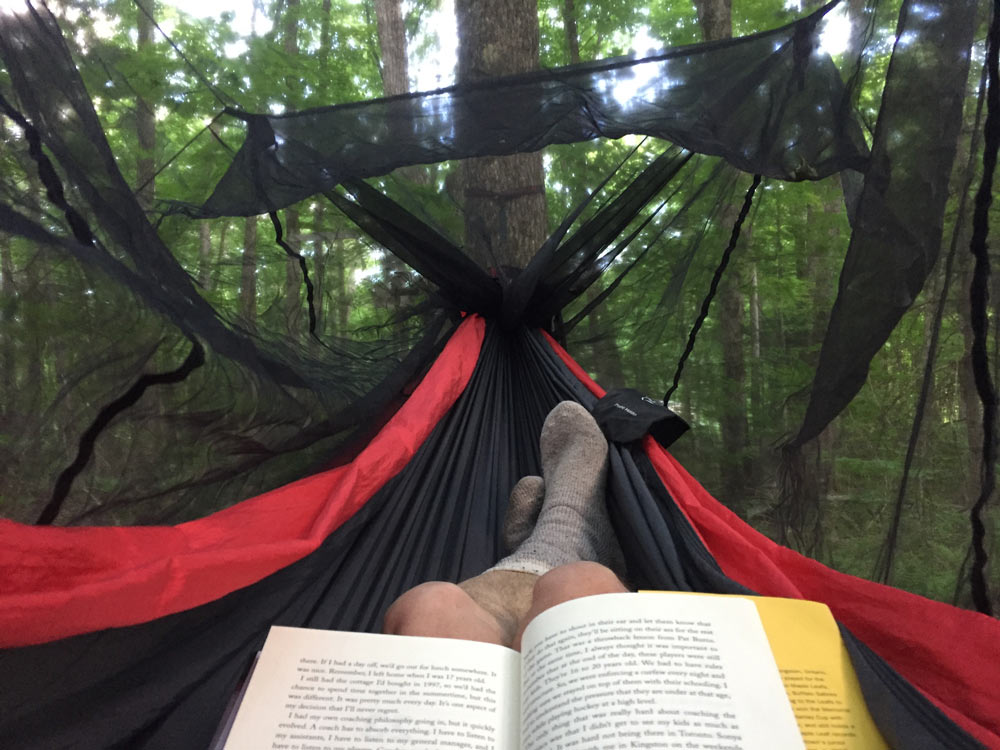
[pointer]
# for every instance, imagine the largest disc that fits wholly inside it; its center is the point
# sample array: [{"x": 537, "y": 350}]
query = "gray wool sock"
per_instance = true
[
  {"x": 522, "y": 511},
  {"x": 573, "y": 524}
]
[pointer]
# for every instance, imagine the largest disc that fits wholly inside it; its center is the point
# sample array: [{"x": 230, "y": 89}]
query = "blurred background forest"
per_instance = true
[{"x": 743, "y": 390}]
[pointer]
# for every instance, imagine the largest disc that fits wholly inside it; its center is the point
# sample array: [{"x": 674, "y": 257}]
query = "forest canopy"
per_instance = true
[{"x": 304, "y": 315}]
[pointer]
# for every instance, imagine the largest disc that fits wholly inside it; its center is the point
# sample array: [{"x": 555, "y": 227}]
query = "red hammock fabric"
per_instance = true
[
  {"x": 949, "y": 654},
  {"x": 58, "y": 582}
]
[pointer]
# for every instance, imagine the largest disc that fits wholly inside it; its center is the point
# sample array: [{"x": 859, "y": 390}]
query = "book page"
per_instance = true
[
  {"x": 818, "y": 675},
  {"x": 331, "y": 690},
  {"x": 625, "y": 670}
]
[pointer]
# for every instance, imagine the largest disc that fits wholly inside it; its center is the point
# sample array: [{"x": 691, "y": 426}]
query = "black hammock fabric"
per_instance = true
[
  {"x": 165, "y": 683},
  {"x": 156, "y": 624}
]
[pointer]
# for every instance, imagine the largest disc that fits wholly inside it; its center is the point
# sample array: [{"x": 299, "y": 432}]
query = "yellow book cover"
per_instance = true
[{"x": 817, "y": 673}]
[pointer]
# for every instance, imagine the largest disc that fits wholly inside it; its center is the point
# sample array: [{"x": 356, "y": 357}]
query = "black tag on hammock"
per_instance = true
[{"x": 625, "y": 415}]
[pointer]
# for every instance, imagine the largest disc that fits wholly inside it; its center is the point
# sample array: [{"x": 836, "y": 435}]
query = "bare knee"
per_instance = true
[
  {"x": 568, "y": 582},
  {"x": 422, "y": 608},
  {"x": 574, "y": 581},
  {"x": 442, "y": 610}
]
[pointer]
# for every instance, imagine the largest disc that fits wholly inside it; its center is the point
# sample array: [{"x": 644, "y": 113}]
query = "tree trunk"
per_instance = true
[
  {"x": 606, "y": 358},
  {"x": 392, "y": 45},
  {"x": 248, "y": 275},
  {"x": 756, "y": 370},
  {"x": 220, "y": 256},
  {"x": 322, "y": 86},
  {"x": 293, "y": 276},
  {"x": 505, "y": 213},
  {"x": 394, "y": 70},
  {"x": 31, "y": 323},
  {"x": 733, "y": 421},
  {"x": 572, "y": 34},
  {"x": 319, "y": 213},
  {"x": 812, "y": 248},
  {"x": 7, "y": 316},
  {"x": 292, "y": 296},
  {"x": 970, "y": 407},
  {"x": 824, "y": 288},
  {"x": 319, "y": 266},
  {"x": 341, "y": 297},
  {"x": 145, "y": 120},
  {"x": 205, "y": 255},
  {"x": 715, "y": 18}
]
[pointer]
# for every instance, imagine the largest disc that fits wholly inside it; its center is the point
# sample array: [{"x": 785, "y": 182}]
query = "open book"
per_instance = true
[{"x": 650, "y": 670}]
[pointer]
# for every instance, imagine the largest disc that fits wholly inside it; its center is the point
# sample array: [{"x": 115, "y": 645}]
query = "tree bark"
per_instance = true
[
  {"x": 220, "y": 256},
  {"x": 970, "y": 407},
  {"x": 715, "y": 18},
  {"x": 145, "y": 120},
  {"x": 293, "y": 276},
  {"x": 504, "y": 198},
  {"x": 319, "y": 266},
  {"x": 205, "y": 255},
  {"x": 7, "y": 316},
  {"x": 292, "y": 297},
  {"x": 606, "y": 358},
  {"x": 392, "y": 45},
  {"x": 248, "y": 275},
  {"x": 756, "y": 368},
  {"x": 394, "y": 70},
  {"x": 572, "y": 33},
  {"x": 733, "y": 422},
  {"x": 342, "y": 299}
]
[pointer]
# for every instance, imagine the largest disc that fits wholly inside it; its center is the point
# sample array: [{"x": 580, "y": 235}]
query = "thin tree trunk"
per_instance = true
[
  {"x": 319, "y": 266},
  {"x": 607, "y": 360},
  {"x": 205, "y": 255},
  {"x": 248, "y": 275},
  {"x": 8, "y": 339},
  {"x": 733, "y": 418},
  {"x": 505, "y": 212},
  {"x": 395, "y": 80},
  {"x": 319, "y": 213},
  {"x": 322, "y": 86},
  {"x": 572, "y": 34},
  {"x": 8, "y": 315},
  {"x": 293, "y": 275},
  {"x": 970, "y": 407},
  {"x": 31, "y": 324},
  {"x": 715, "y": 18},
  {"x": 220, "y": 255},
  {"x": 392, "y": 44},
  {"x": 756, "y": 365},
  {"x": 145, "y": 119},
  {"x": 343, "y": 300},
  {"x": 607, "y": 356}
]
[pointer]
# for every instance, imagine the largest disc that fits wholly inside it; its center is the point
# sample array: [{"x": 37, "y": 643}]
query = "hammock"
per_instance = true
[
  {"x": 157, "y": 625},
  {"x": 137, "y": 636}
]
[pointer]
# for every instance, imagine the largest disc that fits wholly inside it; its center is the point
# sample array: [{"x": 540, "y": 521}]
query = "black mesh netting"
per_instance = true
[
  {"x": 261, "y": 313},
  {"x": 276, "y": 372}
]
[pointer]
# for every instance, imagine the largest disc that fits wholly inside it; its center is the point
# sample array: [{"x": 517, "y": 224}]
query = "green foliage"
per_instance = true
[{"x": 786, "y": 269}]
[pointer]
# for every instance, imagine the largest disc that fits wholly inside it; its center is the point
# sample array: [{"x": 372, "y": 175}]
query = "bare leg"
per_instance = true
[
  {"x": 496, "y": 606},
  {"x": 544, "y": 569},
  {"x": 504, "y": 594},
  {"x": 567, "y": 582},
  {"x": 443, "y": 610}
]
